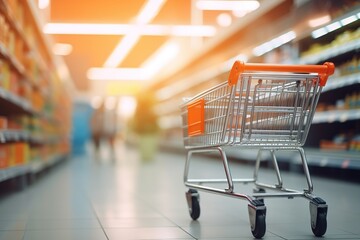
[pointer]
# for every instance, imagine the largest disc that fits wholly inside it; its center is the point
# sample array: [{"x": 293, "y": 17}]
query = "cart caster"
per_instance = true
[
  {"x": 192, "y": 197},
  {"x": 257, "y": 215},
  {"x": 318, "y": 213},
  {"x": 259, "y": 190}
]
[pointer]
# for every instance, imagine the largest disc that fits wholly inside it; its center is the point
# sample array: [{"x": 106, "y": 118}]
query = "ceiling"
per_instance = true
[{"x": 93, "y": 50}]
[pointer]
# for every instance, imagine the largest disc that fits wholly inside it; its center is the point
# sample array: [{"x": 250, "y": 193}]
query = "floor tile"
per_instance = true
[
  {"x": 35, "y": 224},
  {"x": 88, "y": 198},
  {"x": 147, "y": 233},
  {"x": 68, "y": 234},
  {"x": 140, "y": 222},
  {"x": 11, "y": 235}
]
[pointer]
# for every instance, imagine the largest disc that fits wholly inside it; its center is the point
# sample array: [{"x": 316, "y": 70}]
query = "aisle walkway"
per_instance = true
[{"x": 99, "y": 198}]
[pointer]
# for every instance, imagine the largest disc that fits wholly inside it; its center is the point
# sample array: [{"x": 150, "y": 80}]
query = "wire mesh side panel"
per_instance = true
[
  {"x": 275, "y": 110},
  {"x": 217, "y": 104}
]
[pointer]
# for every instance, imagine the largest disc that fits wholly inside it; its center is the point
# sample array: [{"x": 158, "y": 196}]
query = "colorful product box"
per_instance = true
[{"x": 4, "y": 156}]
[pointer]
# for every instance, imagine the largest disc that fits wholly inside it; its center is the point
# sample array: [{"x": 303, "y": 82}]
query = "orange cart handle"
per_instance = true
[{"x": 238, "y": 68}]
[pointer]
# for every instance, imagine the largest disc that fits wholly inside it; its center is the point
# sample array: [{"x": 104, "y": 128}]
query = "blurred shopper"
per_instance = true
[
  {"x": 110, "y": 126},
  {"x": 104, "y": 126},
  {"x": 97, "y": 122}
]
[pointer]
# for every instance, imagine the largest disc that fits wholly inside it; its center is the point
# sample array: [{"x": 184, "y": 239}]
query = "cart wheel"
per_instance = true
[
  {"x": 192, "y": 197},
  {"x": 257, "y": 215},
  {"x": 321, "y": 224},
  {"x": 318, "y": 213},
  {"x": 260, "y": 227}
]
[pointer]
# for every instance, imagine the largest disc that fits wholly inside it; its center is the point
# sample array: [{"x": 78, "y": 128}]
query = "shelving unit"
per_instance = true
[
  {"x": 188, "y": 82},
  {"x": 35, "y": 113}
]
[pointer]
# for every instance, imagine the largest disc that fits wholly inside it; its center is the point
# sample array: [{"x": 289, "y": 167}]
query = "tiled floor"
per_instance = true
[{"x": 99, "y": 198}]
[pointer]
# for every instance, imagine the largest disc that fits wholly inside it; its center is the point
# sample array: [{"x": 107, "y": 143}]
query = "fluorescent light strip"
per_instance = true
[
  {"x": 152, "y": 65},
  {"x": 274, "y": 43},
  {"x": 84, "y": 28},
  {"x": 335, "y": 25},
  {"x": 348, "y": 20},
  {"x": 62, "y": 49},
  {"x": 122, "y": 50},
  {"x": 162, "y": 57},
  {"x": 227, "y": 5},
  {"x": 147, "y": 13},
  {"x": 124, "y": 29},
  {"x": 319, "y": 21},
  {"x": 43, "y": 4}
]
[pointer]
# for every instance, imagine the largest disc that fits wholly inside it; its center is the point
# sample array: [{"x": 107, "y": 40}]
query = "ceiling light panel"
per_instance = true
[{"x": 227, "y": 5}]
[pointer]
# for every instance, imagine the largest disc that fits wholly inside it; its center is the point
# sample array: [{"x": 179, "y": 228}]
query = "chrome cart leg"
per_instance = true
[
  {"x": 279, "y": 185},
  {"x": 230, "y": 188},
  {"x": 277, "y": 170},
  {"x": 229, "y": 179},
  {"x": 257, "y": 165},
  {"x": 306, "y": 171}
]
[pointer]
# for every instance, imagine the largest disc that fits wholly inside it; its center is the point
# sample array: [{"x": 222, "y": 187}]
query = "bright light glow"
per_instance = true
[
  {"x": 96, "y": 101},
  {"x": 333, "y": 26},
  {"x": 274, "y": 43},
  {"x": 117, "y": 74},
  {"x": 319, "y": 21},
  {"x": 62, "y": 49},
  {"x": 152, "y": 65},
  {"x": 224, "y": 20},
  {"x": 192, "y": 31},
  {"x": 127, "y": 105},
  {"x": 162, "y": 57},
  {"x": 122, "y": 50},
  {"x": 43, "y": 4},
  {"x": 227, "y": 5},
  {"x": 240, "y": 13},
  {"x": 110, "y": 102},
  {"x": 87, "y": 28},
  {"x": 147, "y": 13},
  {"x": 319, "y": 32},
  {"x": 348, "y": 20},
  {"x": 124, "y": 29}
]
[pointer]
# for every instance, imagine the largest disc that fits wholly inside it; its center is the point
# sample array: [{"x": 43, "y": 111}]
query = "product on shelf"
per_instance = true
[
  {"x": 4, "y": 156},
  {"x": 3, "y": 123},
  {"x": 341, "y": 39}
]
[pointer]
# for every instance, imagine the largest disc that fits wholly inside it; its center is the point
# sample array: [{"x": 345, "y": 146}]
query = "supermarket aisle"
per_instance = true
[{"x": 89, "y": 198}]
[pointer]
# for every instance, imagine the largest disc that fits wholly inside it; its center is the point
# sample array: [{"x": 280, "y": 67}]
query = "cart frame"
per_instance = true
[{"x": 264, "y": 107}]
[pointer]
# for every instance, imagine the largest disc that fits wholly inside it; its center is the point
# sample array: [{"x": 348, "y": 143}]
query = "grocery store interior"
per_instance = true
[{"x": 179, "y": 119}]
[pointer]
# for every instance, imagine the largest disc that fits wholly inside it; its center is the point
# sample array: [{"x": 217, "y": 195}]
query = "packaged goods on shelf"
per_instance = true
[
  {"x": 3, "y": 123},
  {"x": 4, "y": 156},
  {"x": 341, "y": 39},
  {"x": 355, "y": 143},
  {"x": 352, "y": 100},
  {"x": 4, "y": 75}
]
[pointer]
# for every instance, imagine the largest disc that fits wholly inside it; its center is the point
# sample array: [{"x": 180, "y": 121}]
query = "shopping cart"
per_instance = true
[{"x": 261, "y": 106}]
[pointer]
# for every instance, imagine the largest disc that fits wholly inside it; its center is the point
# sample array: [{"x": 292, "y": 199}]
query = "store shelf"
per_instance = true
[
  {"x": 331, "y": 52},
  {"x": 14, "y": 135},
  {"x": 30, "y": 168},
  {"x": 34, "y": 97},
  {"x": 343, "y": 81},
  {"x": 38, "y": 166},
  {"x": 332, "y": 158},
  {"x": 336, "y": 116},
  {"x": 14, "y": 102},
  {"x": 13, "y": 172}
]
